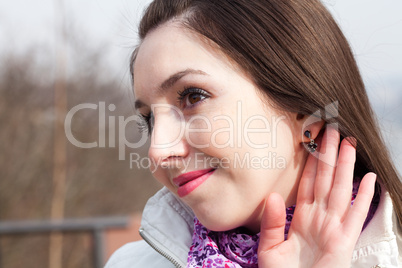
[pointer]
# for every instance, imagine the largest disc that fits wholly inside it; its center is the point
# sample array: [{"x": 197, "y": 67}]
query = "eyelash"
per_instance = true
[{"x": 145, "y": 124}]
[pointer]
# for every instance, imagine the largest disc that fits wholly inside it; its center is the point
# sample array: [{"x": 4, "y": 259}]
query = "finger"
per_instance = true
[
  {"x": 326, "y": 165},
  {"x": 305, "y": 193},
  {"x": 272, "y": 223},
  {"x": 358, "y": 212},
  {"x": 340, "y": 197}
]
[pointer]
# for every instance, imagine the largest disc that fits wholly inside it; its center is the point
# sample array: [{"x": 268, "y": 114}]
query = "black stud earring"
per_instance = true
[{"x": 312, "y": 146}]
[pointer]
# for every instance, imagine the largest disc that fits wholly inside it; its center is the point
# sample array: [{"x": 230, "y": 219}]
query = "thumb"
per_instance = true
[{"x": 272, "y": 223}]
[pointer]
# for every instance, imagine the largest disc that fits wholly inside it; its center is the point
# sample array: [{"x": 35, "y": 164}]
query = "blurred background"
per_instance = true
[{"x": 57, "y": 54}]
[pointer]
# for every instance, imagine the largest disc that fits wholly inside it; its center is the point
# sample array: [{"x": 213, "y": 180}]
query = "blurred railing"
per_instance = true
[{"x": 96, "y": 226}]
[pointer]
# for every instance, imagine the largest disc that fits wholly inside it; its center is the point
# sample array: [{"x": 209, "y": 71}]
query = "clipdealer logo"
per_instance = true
[{"x": 236, "y": 129}]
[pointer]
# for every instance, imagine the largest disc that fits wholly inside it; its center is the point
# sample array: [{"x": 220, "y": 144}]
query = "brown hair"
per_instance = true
[{"x": 297, "y": 55}]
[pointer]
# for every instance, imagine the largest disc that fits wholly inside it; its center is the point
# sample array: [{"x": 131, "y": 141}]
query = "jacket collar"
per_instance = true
[
  {"x": 381, "y": 238},
  {"x": 167, "y": 225}
]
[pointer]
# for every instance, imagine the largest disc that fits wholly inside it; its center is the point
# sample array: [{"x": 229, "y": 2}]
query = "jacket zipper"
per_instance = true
[{"x": 158, "y": 249}]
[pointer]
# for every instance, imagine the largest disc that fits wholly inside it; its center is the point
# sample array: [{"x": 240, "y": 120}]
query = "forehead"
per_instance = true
[{"x": 169, "y": 49}]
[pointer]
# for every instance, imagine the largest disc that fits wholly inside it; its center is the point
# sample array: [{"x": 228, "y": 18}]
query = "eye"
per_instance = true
[
  {"x": 191, "y": 96},
  {"x": 146, "y": 123}
]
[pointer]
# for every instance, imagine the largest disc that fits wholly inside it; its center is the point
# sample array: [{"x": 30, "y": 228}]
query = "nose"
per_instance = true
[{"x": 168, "y": 141}]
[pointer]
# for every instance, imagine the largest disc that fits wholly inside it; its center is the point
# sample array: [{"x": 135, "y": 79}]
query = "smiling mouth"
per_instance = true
[
  {"x": 190, "y": 181},
  {"x": 190, "y": 176}
]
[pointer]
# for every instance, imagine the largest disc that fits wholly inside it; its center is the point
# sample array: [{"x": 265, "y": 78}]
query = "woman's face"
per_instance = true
[{"x": 214, "y": 141}]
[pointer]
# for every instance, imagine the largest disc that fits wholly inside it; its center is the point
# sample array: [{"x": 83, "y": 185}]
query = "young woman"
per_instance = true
[{"x": 263, "y": 136}]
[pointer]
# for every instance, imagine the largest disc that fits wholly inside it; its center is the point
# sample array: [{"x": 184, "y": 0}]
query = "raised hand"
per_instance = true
[{"x": 325, "y": 227}]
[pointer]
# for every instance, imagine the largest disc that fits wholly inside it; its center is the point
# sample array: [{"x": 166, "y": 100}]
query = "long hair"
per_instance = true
[{"x": 298, "y": 57}]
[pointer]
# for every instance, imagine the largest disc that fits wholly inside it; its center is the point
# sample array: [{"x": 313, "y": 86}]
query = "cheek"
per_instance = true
[
  {"x": 211, "y": 132},
  {"x": 224, "y": 133},
  {"x": 258, "y": 133},
  {"x": 198, "y": 132},
  {"x": 283, "y": 138}
]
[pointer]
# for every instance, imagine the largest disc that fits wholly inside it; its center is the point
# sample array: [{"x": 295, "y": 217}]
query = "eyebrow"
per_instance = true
[{"x": 168, "y": 83}]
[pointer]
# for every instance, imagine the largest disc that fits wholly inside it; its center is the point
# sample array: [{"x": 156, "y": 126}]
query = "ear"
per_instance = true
[{"x": 312, "y": 123}]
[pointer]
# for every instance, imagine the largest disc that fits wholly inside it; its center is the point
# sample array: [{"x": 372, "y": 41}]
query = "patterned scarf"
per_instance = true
[
  {"x": 230, "y": 249},
  {"x": 234, "y": 249}
]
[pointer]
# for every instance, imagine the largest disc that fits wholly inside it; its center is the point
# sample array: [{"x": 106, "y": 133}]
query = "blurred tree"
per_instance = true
[{"x": 98, "y": 184}]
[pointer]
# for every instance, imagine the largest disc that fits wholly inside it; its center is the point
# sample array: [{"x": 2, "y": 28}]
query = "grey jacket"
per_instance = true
[{"x": 167, "y": 227}]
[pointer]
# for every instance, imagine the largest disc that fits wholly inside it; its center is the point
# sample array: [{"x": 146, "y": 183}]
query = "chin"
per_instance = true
[{"x": 219, "y": 223}]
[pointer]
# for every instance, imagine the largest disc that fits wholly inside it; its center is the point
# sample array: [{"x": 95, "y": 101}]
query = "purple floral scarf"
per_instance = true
[
  {"x": 234, "y": 249},
  {"x": 230, "y": 249}
]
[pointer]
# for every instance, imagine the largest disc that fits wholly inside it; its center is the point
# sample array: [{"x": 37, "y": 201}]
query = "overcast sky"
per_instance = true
[{"x": 373, "y": 27}]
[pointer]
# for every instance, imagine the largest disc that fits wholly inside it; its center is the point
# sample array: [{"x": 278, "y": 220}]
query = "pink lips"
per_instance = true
[{"x": 188, "y": 182}]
